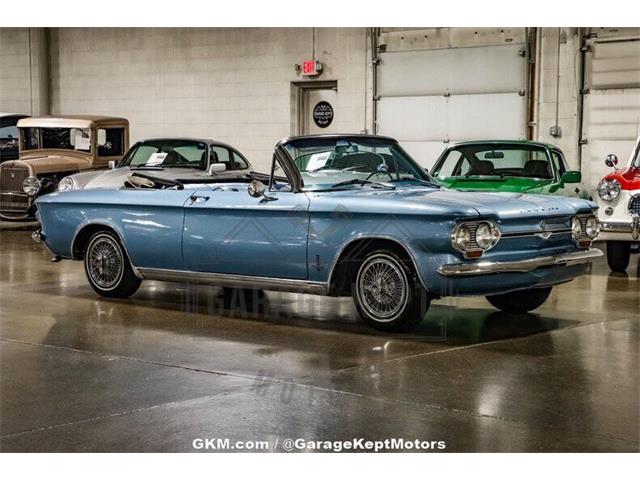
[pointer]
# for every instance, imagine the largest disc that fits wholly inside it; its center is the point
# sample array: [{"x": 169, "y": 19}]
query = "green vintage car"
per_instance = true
[{"x": 507, "y": 166}]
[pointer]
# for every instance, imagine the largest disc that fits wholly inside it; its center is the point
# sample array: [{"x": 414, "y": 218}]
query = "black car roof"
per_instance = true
[
  {"x": 190, "y": 139},
  {"x": 334, "y": 135}
]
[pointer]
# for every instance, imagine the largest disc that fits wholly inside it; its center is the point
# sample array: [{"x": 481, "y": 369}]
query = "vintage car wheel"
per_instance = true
[
  {"x": 107, "y": 267},
  {"x": 386, "y": 293},
  {"x": 520, "y": 301},
  {"x": 618, "y": 255}
]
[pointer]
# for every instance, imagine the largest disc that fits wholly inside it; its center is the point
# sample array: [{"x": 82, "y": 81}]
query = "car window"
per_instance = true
[
  {"x": 10, "y": 131},
  {"x": 495, "y": 159},
  {"x": 279, "y": 180},
  {"x": 167, "y": 154},
  {"x": 232, "y": 160},
  {"x": 559, "y": 160},
  {"x": 453, "y": 164},
  {"x": 58, "y": 138},
  {"x": 113, "y": 142},
  {"x": 326, "y": 163}
]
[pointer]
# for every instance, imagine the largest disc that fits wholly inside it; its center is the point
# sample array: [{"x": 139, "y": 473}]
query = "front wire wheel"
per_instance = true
[
  {"x": 386, "y": 293},
  {"x": 107, "y": 267}
]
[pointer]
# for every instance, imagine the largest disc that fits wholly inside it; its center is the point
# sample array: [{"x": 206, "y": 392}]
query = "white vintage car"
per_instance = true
[{"x": 619, "y": 213}]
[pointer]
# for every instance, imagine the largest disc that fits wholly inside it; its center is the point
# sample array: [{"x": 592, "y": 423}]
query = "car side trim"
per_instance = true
[
  {"x": 488, "y": 267},
  {"x": 231, "y": 280}
]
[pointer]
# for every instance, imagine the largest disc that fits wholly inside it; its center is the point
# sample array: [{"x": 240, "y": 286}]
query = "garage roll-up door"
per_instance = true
[
  {"x": 444, "y": 85},
  {"x": 611, "y": 116}
]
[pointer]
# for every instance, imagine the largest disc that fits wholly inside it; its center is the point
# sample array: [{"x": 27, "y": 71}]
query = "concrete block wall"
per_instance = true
[
  {"x": 23, "y": 71},
  {"x": 231, "y": 84}
]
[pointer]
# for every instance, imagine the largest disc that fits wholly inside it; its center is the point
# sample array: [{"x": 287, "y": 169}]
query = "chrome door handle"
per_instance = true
[{"x": 197, "y": 199}]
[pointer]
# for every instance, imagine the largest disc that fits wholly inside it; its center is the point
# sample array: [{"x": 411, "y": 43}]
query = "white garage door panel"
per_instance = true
[
  {"x": 413, "y": 118},
  {"x": 615, "y": 65},
  {"x": 473, "y": 117},
  {"x": 611, "y": 125},
  {"x": 425, "y": 153},
  {"x": 491, "y": 69}
]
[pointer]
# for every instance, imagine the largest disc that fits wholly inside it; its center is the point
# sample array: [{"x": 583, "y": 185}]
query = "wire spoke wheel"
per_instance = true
[
  {"x": 382, "y": 288},
  {"x": 105, "y": 262}
]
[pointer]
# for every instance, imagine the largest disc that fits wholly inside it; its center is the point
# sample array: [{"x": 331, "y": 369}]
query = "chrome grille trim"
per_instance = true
[
  {"x": 11, "y": 178},
  {"x": 634, "y": 205}
]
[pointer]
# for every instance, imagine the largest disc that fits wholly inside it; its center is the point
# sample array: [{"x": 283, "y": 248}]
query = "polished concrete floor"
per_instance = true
[{"x": 175, "y": 363}]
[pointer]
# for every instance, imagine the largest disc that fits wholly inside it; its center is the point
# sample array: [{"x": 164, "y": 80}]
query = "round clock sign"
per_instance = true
[{"x": 323, "y": 114}]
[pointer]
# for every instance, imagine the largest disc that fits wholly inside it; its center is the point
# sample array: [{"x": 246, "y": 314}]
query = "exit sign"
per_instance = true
[{"x": 311, "y": 67}]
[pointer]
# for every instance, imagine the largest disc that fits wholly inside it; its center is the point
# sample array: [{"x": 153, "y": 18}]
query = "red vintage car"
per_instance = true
[{"x": 619, "y": 213}]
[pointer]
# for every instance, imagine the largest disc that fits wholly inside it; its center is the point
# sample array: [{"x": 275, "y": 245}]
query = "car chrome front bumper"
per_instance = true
[
  {"x": 486, "y": 268},
  {"x": 632, "y": 227}
]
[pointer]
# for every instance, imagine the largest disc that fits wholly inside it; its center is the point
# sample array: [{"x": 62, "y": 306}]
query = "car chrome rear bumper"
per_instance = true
[{"x": 486, "y": 268}]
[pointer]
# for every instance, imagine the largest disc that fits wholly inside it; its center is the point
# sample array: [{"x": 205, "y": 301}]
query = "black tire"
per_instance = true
[
  {"x": 108, "y": 268},
  {"x": 618, "y": 255},
  {"x": 412, "y": 303},
  {"x": 520, "y": 301}
]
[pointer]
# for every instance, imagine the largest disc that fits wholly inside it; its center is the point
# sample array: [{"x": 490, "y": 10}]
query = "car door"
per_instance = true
[{"x": 228, "y": 231}]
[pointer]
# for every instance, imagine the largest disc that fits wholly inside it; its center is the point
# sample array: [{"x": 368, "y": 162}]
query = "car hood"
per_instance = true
[
  {"x": 115, "y": 178},
  {"x": 496, "y": 184},
  {"x": 502, "y": 205}
]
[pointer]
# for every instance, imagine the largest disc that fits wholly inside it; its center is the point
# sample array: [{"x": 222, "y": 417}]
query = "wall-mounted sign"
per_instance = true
[
  {"x": 323, "y": 114},
  {"x": 311, "y": 67}
]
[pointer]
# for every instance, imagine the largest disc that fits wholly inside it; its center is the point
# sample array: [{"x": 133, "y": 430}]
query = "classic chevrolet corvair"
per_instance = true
[{"x": 337, "y": 215}]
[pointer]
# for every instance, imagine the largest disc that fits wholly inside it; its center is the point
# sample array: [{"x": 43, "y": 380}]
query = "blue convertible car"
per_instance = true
[{"x": 337, "y": 215}]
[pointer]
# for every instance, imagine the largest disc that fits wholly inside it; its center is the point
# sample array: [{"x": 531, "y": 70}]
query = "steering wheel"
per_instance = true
[
  {"x": 139, "y": 182},
  {"x": 382, "y": 172}
]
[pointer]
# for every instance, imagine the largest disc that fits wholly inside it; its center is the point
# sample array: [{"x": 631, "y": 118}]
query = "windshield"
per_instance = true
[
  {"x": 325, "y": 162},
  {"x": 502, "y": 160},
  {"x": 636, "y": 160},
  {"x": 9, "y": 132},
  {"x": 36, "y": 138},
  {"x": 167, "y": 153}
]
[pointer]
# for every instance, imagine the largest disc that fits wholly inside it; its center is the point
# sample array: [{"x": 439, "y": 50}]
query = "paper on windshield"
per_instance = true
[
  {"x": 318, "y": 161},
  {"x": 82, "y": 140},
  {"x": 156, "y": 158}
]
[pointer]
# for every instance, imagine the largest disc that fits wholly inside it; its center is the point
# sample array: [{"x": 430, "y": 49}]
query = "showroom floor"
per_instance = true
[{"x": 174, "y": 363}]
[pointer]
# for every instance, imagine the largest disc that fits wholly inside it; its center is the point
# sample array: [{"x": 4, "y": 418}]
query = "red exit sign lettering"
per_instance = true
[{"x": 311, "y": 67}]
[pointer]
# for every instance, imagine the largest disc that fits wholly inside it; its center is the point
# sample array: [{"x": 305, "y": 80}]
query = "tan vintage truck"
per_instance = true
[{"x": 53, "y": 147}]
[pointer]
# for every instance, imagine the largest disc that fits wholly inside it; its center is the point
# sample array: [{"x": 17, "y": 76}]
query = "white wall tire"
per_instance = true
[{"x": 386, "y": 294}]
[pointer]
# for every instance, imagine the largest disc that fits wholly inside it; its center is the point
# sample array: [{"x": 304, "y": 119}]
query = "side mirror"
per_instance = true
[
  {"x": 217, "y": 167},
  {"x": 571, "y": 176},
  {"x": 256, "y": 188},
  {"x": 112, "y": 164},
  {"x": 611, "y": 160}
]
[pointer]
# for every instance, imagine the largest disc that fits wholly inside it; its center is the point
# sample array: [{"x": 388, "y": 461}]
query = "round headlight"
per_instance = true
[
  {"x": 592, "y": 227},
  {"x": 31, "y": 186},
  {"x": 487, "y": 235},
  {"x": 609, "y": 190},
  {"x": 576, "y": 228},
  {"x": 66, "y": 184},
  {"x": 462, "y": 238}
]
